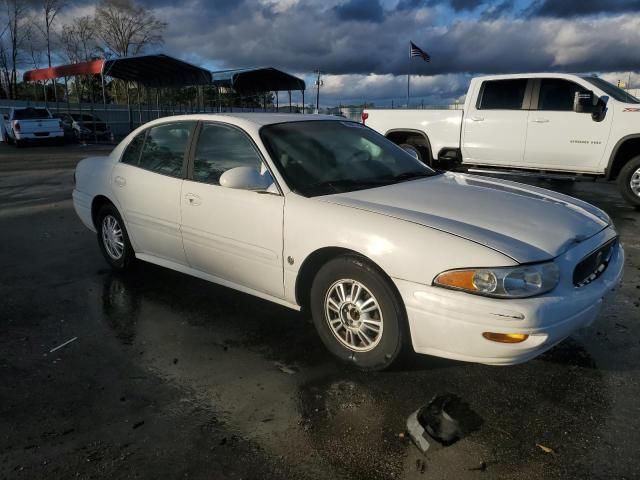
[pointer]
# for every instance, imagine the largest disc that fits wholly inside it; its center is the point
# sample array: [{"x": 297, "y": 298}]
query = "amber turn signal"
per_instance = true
[{"x": 505, "y": 337}]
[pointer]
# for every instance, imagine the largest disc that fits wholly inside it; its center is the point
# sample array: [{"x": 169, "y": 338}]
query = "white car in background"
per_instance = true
[{"x": 327, "y": 215}]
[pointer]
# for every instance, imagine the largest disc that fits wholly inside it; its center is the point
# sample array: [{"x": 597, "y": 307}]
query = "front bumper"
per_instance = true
[{"x": 450, "y": 324}]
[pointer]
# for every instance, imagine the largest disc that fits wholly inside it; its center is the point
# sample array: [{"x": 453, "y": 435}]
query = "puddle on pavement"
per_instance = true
[{"x": 226, "y": 351}]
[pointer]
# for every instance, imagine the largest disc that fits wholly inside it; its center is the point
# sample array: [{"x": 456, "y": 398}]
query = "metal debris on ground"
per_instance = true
[
  {"x": 417, "y": 432},
  {"x": 63, "y": 344},
  {"x": 446, "y": 419},
  {"x": 286, "y": 369},
  {"x": 546, "y": 449}
]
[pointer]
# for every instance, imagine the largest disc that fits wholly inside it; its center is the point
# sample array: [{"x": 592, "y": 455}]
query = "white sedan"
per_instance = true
[{"x": 326, "y": 215}]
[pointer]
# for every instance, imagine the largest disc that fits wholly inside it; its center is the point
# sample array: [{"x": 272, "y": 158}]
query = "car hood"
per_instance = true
[{"x": 528, "y": 224}]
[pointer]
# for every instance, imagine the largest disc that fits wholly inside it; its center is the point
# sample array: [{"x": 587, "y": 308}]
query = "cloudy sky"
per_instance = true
[{"x": 362, "y": 45}]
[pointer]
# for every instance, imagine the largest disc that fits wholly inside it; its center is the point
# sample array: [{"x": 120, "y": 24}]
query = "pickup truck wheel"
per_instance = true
[
  {"x": 629, "y": 181},
  {"x": 18, "y": 143},
  {"x": 357, "y": 313},
  {"x": 113, "y": 238}
]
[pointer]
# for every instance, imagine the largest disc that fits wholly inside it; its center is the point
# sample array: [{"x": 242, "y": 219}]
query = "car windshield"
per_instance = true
[
  {"x": 321, "y": 157},
  {"x": 30, "y": 114},
  {"x": 611, "y": 90}
]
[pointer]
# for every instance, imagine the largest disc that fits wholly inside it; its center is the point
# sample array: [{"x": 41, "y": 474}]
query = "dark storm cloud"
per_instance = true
[
  {"x": 570, "y": 9},
  {"x": 308, "y": 35},
  {"x": 360, "y": 10},
  {"x": 460, "y": 5},
  {"x": 456, "y": 5}
]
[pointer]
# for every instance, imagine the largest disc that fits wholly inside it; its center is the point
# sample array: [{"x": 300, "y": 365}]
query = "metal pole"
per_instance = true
[
  {"x": 66, "y": 94},
  {"x": 408, "y": 75},
  {"x": 104, "y": 95},
  {"x": 289, "y": 101},
  {"x": 303, "y": 101}
]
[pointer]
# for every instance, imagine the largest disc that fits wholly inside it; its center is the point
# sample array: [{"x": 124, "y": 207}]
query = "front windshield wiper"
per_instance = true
[{"x": 403, "y": 177}]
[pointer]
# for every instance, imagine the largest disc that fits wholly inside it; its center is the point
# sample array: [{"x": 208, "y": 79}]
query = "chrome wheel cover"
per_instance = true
[
  {"x": 353, "y": 315},
  {"x": 635, "y": 183},
  {"x": 112, "y": 238}
]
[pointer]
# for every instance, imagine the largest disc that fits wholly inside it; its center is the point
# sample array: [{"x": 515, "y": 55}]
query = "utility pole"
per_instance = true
[{"x": 318, "y": 85}]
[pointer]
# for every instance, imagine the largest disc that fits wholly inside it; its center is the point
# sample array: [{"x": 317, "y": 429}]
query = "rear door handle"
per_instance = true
[
  {"x": 541, "y": 120},
  {"x": 120, "y": 181},
  {"x": 193, "y": 199},
  {"x": 477, "y": 119}
]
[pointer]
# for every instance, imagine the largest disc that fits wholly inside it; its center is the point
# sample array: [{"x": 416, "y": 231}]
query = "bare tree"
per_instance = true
[
  {"x": 126, "y": 28},
  {"x": 78, "y": 40},
  {"x": 50, "y": 9},
  {"x": 16, "y": 33}
]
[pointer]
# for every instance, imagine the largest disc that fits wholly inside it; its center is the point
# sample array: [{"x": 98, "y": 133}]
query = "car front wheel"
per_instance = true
[
  {"x": 113, "y": 238},
  {"x": 357, "y": 313},
  {"x": 629, "y": 181}
]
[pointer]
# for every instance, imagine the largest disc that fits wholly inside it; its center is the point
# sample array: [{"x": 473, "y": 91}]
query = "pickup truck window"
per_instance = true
[
  {"x": 612, "y": 90},
  {"x": 557, "y": 94},
  {"x": 502, "y": 94},
  {"x": 30, "y": 114}
]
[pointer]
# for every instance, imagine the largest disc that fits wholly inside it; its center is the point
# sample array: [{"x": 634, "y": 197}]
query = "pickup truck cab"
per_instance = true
[
  {"x": 22, "y": 125},
  {"x": 545, "y": 124}
]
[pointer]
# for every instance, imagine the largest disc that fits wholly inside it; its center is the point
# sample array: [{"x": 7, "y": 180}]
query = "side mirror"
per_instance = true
[
  {"x": 411, "y": 151},
  {"x": 246, "y": 178}
]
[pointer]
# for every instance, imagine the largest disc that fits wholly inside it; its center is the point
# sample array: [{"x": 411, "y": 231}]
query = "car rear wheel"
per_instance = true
[
  {"x": 113, "y": 238},
  {"x": 357, "y": 313},
  {"x": 629, "y": 181}
]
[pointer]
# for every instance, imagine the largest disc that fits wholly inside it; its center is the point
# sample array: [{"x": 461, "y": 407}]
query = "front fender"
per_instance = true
[{"x": 402, "y": 249}]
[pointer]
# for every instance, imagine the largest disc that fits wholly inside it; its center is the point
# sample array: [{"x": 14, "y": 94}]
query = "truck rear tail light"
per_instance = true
[
  {"x": 16, "y": 126},
  {"x": 365, "y": 115}
]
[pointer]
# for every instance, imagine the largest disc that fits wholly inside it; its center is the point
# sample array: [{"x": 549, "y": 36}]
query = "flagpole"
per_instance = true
[{"x": 408, "y": 74}]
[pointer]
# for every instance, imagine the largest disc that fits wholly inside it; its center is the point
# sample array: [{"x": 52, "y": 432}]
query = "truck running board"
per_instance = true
[{"x": 518, "y": 173}]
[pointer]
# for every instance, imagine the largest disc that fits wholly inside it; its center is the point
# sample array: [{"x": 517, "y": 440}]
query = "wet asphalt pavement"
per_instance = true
[{"x": 173, "y": 377}]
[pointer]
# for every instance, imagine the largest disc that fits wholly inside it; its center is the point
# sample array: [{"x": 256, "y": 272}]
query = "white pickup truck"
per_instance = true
[
  {"x": 528, "y": 124},
  {"x": 22, "y": 125}
]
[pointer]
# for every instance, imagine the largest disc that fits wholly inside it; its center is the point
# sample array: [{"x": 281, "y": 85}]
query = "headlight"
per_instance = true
[{"x": 507, "y": 282}]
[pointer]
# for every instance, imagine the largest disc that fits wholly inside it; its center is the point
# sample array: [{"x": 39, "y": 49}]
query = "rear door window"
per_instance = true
[
  {"x": 164, "y": 148},
  {"x": 503, "y": 94}
]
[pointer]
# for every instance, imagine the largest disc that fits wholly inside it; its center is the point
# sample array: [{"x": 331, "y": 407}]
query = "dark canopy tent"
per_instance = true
[
  {"x": 156, "y": 71},
  {"x": 250, "y": 81},
  {"x": 161, "y": 71}
]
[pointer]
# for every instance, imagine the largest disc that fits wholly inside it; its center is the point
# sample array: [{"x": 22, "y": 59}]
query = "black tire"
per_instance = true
[
  {"x": 18, "y": 143},
  {"x": 420, "y": 151},
  {"x": 390, "y": 342},
  {"x": 631, "y": 168},
  {"x": 126, "y": 258}
]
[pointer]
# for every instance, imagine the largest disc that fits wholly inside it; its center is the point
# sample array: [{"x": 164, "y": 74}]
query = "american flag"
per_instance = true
[{"x": 416, "y": 51}]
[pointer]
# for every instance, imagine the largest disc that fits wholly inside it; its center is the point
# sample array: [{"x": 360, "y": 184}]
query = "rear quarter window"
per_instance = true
[{"x": 502, "y": 94}]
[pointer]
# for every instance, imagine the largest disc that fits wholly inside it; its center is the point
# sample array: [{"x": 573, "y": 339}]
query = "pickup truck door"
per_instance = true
[
  {"x": 232, "y": 234},
  {"x": 559, "y": 138},
  {"x": 147, "y": 182},
  {"x": 495, "y": 126}
]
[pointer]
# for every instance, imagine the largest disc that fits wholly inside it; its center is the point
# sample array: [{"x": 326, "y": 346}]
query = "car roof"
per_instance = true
[{"x": 255, "y": 120}]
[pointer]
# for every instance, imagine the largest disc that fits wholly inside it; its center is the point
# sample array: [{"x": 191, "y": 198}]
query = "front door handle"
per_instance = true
[
  {"x": 477, "y": 119},
  {"x": 193, "y": 199},
  {"x": 541, "y": 120},
  {"x": 120, "y": 181}
]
